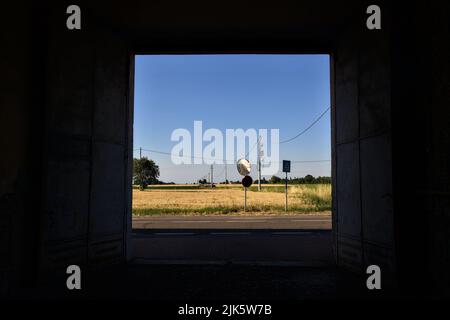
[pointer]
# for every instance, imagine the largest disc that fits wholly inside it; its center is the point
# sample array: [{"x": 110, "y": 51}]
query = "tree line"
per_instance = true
[
  {"x": 308, "y": 179},
  {"x": 146, "y": 172}
]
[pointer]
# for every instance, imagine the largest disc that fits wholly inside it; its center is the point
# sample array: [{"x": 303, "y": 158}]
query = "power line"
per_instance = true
[
  {"x": 166, "y": 153},
  {"x": 220, "y": 174},
  {"x": 204, "y": 176},
  {"x": 307, "y": 128},
  {"x": 250, "y": 150},
  {"x": 305, "y": 161},
  {"x": 309, "y": 161},
  {"x": 226, "y": 161},
  {"x": 175, "y": 155}
]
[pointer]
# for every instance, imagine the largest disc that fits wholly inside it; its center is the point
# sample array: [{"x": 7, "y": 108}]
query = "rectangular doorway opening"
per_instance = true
[{"x": 196, "y": 116}]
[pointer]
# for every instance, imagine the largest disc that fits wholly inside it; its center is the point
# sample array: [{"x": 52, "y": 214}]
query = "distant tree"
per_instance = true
[
  {"x": 202, "y": 181},
  {"x": 309, "y": 179},
  {"x": 275, "y": 179},
  {"x": 145, "y": 172},
  {"x": 263, "y": 181},
  {"x": 325, "y": 180}
]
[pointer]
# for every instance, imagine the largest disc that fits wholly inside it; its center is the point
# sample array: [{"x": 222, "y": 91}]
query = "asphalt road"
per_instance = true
[
  {"x": 282, "y": 240},
  {"x": 291, "y": 222}
]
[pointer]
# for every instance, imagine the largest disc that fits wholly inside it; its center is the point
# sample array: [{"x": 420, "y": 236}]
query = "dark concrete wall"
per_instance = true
[
  {"x": 421, "y": 159},
  {"x": 86, "y": 138},
  {"x": 14, "y": 122},
  {"x": 363, "y": 205},
  {"x": 20, "y": 144},
  {"x": 437, "y": 187},
  {"x": 65, "y": 131}
]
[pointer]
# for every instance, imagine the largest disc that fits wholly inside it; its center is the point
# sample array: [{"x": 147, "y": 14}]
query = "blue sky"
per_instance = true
[{"x": 285, "y": 92}]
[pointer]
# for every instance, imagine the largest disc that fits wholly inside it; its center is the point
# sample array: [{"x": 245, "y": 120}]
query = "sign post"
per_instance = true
[
  {"x": 286, "y": 202},
  {"x": 286, "y": 168},
  {"x": 245, "y": 199},
  {"x": 246, "y": 182},
  {"x": 244, "y": 167}
]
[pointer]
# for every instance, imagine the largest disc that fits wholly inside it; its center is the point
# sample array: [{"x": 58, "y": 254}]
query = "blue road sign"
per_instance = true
[{"x": 286, "y": 166}]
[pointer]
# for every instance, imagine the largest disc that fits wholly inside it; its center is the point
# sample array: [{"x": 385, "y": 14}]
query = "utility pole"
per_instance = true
[
  {"x": 226, "y": 182},
  {"x": 212, "y": 176},
  {"x": 140, "y": 152},
  {"x": 259, "y": 162}
]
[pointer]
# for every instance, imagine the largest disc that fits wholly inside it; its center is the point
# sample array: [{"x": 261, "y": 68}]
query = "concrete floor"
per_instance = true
[
  {"x": 178, "y": 284},
  {"x": 254, "y": 246},
  {"x": 241, "y": 268},
  {"x": 230, "y": 282}
]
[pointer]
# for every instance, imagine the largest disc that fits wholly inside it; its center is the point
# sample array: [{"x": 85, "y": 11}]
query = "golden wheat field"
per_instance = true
[{"x": 226, "y": 199}]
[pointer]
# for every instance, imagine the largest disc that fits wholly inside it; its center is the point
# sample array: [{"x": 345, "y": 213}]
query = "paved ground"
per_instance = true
[
  {"x": 203, "y": 266},
  {"x": 198, "y": 284},
  {"x": 219, "y": 246},
  {"x": 322, "y": 222},
  {"x": 251, "y": 264},
  {"x": 226, "y": 283}
]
